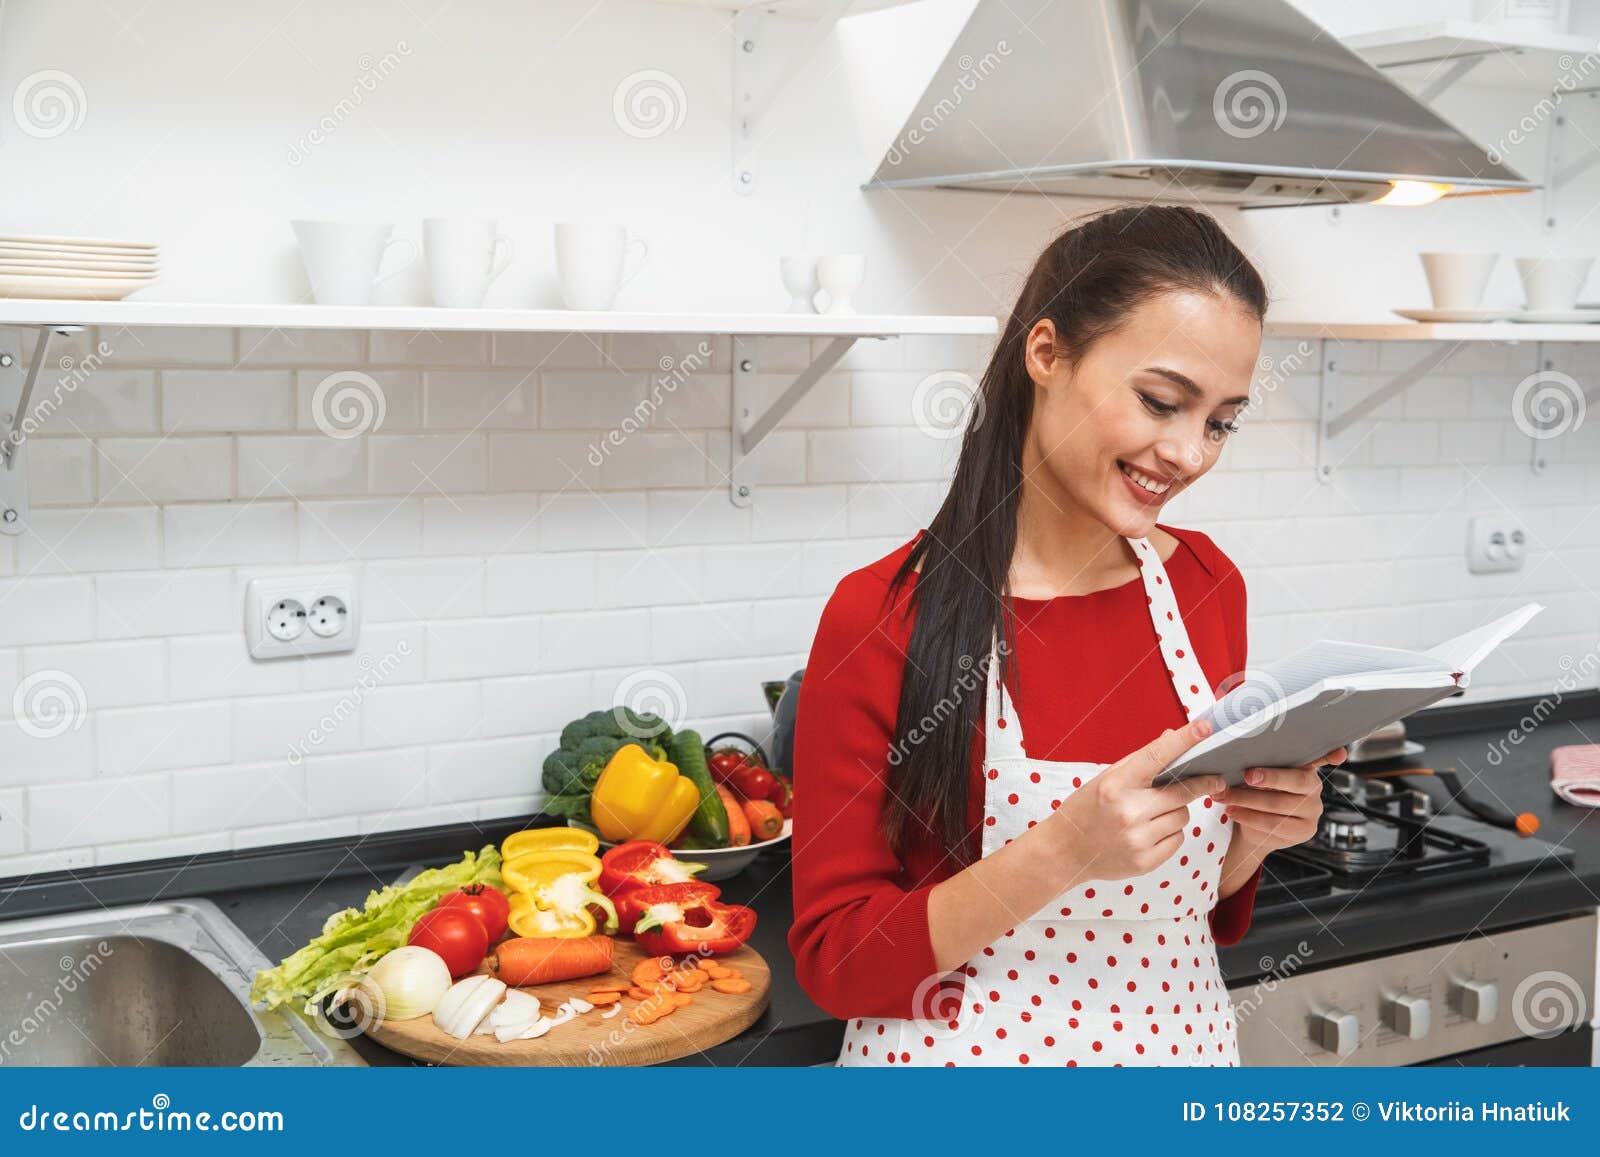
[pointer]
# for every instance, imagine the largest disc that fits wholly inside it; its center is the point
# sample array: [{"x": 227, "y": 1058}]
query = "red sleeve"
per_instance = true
[
  {"x": 860, "y": 937},
  {"x": 1230, "y": 919}
]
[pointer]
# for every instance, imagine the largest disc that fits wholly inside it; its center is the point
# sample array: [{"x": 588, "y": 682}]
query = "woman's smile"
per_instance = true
[{"x": 1146, "y": 489}]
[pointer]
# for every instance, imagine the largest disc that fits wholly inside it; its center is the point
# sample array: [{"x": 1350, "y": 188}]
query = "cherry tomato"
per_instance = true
[
  {"x": 456, "y": 935},
  {"x": 488, "y": 904}
]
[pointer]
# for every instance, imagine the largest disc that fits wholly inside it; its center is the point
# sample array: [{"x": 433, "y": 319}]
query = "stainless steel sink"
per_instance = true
[{"x": 152, "y": 984}]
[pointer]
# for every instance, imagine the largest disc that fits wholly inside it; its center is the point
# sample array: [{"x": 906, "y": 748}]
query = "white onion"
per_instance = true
[
  {"x": 406, "y": 983},
  {"x": 462, "y": 1009}
]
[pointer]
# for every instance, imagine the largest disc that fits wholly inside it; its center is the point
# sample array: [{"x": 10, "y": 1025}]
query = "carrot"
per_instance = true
[
  {"x": 647, "y": 972},
  {"x": 738, "y": 824},
  {"x": 527, "y": 960},
  {"x": 640, "y": 993},
  {"x": 682, "y": 1000},
  {"x": 766, "y": 821},
  {"x": 602, "y": 998},
  {"x": 612, "y": 986},
  {"x": 731, "y": 986}
]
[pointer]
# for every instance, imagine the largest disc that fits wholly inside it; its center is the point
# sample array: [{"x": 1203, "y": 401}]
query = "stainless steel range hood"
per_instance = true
[{"x": 1244, "y": 102}]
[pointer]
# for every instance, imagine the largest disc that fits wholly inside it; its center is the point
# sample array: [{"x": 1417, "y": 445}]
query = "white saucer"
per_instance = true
[
  {"x": 1557, "y": 316},
  {"x": 1454, "y": 316}
]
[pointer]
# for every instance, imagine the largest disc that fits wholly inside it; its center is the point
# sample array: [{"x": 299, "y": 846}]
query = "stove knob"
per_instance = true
[
  {"x": 1408, "y": 1015},
  {"x": 1477, "y": 1000},
  {"x": 1338, "y": 1032}
]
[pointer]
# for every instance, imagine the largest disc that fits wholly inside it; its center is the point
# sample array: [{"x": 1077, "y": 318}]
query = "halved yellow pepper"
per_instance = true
[
  {"x": 640, "y": 798},
  {"x": 532, "y": 871},
  {"x": 549, "y": 840},
  {"x": 561, "y": 908}
]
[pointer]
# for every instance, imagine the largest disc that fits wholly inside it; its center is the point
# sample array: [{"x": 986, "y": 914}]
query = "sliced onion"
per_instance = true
[
  {"x": 517, "y": 1008},
  {"x": 464, "y": 1007}
]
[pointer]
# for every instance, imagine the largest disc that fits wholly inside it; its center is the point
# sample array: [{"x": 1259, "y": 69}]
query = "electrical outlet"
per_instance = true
[
  {"x": 1495, "y": 543},
  {"x": 292, "y": 615}
]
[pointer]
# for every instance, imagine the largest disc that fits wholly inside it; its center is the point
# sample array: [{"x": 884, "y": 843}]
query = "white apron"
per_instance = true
[{"x": 1108, "y": 973}]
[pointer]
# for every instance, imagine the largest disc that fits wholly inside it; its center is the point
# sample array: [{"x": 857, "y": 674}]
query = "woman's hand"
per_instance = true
[
  {"x": 1278, "y": 807},
  {"x": 1118, "y": 826}
]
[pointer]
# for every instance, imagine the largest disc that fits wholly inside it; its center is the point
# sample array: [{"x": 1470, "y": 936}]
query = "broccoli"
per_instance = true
[{"x": 587, "y": 745}]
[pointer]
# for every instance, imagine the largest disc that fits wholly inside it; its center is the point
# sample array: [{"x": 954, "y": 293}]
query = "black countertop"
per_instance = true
[{"x": 323, "y": 878}]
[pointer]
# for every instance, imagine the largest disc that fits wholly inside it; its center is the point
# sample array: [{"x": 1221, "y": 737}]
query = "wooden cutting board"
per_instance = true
[{"x": 588, "y": 1040}]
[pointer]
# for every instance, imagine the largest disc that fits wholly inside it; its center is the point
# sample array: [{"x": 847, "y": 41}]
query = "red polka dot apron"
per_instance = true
[{"x": 1116, "y": 972}]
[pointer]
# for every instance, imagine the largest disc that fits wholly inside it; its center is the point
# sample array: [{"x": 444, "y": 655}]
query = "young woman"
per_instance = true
[{"x": 982, "y": 872}]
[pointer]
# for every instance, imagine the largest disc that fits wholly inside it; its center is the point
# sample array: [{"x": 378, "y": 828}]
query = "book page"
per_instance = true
[{"x": 1271, "y": 684}]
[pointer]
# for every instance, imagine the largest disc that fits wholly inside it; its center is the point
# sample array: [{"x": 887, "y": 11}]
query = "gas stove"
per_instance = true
[
  {"x": 1473, "y": 999},
  {"x": 1379, "y": 835}
]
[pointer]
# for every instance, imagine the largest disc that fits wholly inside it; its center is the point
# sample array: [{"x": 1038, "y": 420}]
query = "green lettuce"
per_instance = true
[{"x": 355, "y": 939}]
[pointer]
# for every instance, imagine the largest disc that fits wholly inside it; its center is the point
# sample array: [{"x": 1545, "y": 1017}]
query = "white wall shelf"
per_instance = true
[
  {"x": 1444, "y": 52},
  {"x": 1506, "y": 331},
  {"x": 747, "y": 429}
]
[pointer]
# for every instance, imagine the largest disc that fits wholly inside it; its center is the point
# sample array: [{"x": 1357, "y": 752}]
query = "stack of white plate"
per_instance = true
[{"x": 77, "y": 268}]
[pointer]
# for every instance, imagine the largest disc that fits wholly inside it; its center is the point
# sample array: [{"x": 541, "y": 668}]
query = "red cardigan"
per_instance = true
[{"x": 1088, "y": 683}]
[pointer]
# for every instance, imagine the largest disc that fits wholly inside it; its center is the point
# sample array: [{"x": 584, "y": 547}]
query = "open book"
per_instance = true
[{"x": 1331, "y": 694}]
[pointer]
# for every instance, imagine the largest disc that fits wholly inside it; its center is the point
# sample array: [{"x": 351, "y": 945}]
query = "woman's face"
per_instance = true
[{"x": 1148, "y": 409}]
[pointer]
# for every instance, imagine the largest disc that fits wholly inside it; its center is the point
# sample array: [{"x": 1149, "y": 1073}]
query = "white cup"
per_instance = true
[
  {"x": 591, "y": 263},
  {"x": 465, "y": 255},
  {"x": 1457, "y": 280},
  {"x": 1552, "y": 284},
  {"x": 840, "y": 275},
  {"x": 342, "y": 258},
  {"x": 800, "y": 279}
]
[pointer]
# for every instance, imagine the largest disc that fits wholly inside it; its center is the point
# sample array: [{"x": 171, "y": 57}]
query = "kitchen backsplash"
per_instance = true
[{"x": 516, "y": 566}]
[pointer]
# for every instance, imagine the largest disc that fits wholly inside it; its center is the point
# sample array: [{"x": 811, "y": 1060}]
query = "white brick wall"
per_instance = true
[{"x": 510, "y": 584}]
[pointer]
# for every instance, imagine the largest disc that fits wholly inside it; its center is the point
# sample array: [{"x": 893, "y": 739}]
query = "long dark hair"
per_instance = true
[{"x": 1086, "y": 282}]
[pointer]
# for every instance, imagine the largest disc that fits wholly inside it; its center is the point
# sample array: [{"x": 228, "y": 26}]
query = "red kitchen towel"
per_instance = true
[{"x": 1575, "y": 773}]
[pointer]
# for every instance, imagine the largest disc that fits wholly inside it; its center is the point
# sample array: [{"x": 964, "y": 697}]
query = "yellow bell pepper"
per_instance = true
[
  {"x": 640, "y": 798},
  {"x": 549, "y": 840},
  {"x": 561, "y": 908},
  {"x": 531, "y": 871}
]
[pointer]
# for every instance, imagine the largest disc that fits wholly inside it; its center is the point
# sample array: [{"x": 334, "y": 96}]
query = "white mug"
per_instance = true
[
  {"x": 591, "y": 263},
  {"x": 464, "y": 256},
  {"x": 1552, "y": 284},
  {"x": 342, "y": 258},
  {"x": 1457, "y": 280}
]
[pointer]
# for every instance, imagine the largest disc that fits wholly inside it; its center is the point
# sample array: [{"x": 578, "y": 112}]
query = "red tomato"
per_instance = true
[
  {"x": 488, "y": 904},
  {"x": 456, "y": 935}
]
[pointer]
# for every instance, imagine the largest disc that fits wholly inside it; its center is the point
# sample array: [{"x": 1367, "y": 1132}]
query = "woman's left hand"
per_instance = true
[{"x": 1278, "y": 807}]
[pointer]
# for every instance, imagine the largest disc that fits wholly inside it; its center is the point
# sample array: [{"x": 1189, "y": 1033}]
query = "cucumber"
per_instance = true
[{"x": 709, "y": 824}]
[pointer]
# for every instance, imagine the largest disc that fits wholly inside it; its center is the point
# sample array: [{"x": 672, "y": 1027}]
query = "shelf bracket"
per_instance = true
[
  {"x": 1332, "y": 423},
  {"x": 17, "y": 420},
  {"x": 746, "y": 432},
  {"x": 758, "y": 77}
]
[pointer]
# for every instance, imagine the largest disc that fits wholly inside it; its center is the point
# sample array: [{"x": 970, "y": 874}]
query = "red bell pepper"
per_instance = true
[
  {"x": 640, "y": 863},
  {"x": 708, "y": 928},
  {"x": 632, "y": 904}
]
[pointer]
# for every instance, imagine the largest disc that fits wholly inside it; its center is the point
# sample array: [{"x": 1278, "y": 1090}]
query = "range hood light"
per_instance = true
[{"x": 1413, "y": 193}]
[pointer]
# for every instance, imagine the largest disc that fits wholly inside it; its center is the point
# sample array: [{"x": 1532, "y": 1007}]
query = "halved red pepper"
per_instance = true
[
  {"x": 708, "y": 928},
  {"x": 641, "y": 863},
  {"x": 632, "y": 904}
]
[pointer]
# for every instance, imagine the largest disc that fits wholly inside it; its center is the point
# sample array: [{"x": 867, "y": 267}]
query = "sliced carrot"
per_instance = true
[
  {"x": 731, "y": 986},
  {"x": 611, "y": 986},
  {"x": 651, "y": 969},
  {"x": 682, "y": 1000},
  {"x": 603, "y": 998}
]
